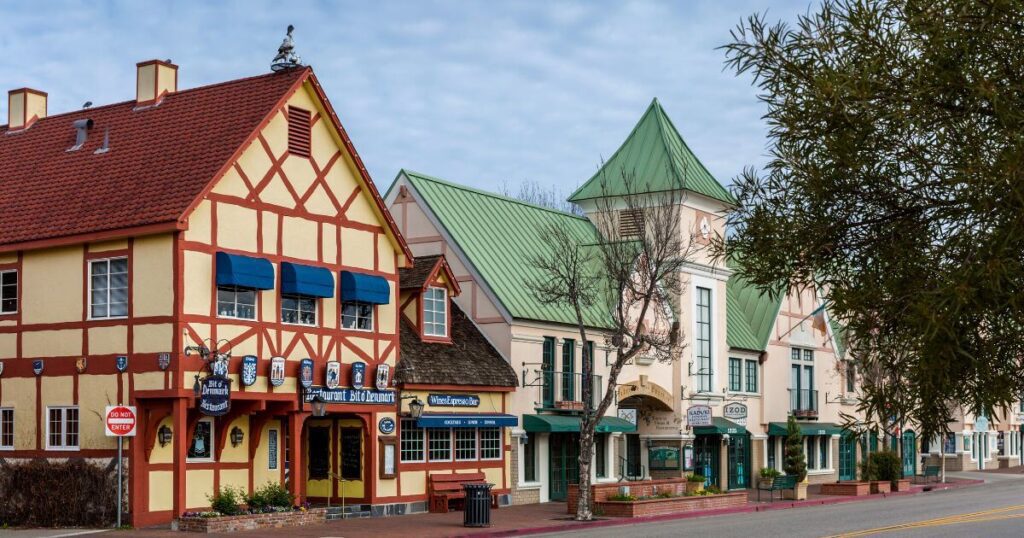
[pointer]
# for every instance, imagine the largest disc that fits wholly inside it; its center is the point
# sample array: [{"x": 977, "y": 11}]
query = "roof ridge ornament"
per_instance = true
[{"x": 286, "y": 57}]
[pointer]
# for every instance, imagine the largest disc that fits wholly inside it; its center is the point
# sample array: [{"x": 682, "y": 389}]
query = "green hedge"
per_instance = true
[{"x": 48, "y": 493}]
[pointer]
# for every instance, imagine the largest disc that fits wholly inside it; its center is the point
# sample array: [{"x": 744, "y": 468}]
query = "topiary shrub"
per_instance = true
[
  {"x": 796, "y": 463},
  {"x": 49, "y": 493},
  {"x": 886, "y": 465}
]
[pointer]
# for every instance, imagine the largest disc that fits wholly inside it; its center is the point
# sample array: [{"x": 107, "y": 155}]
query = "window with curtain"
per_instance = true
[{"x": 108, "y": 288}]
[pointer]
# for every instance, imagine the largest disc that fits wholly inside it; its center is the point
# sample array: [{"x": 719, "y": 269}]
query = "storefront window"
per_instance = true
[
  {"x": 530, "y": 458},
  {"x": 201, "y": 446},
  {"x": 772, "y": 462},
  {"x": 949, "y": 446},
  {"x": 663, "y": 458},
  {"x": 440, "y": 444},
  {"x": 809, "y": 450},
  {"x": 465, "y": 444},
  {"x": 600, "y": 465},
  {"x": 823, "y": 444},
  {"x": 411, "y": 441},
  {"x": 490, "y": 444}
]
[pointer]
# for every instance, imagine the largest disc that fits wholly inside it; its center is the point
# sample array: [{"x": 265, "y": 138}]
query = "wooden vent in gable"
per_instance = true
[
  {"x": 631, "y": 222},
  {"x": 299, "y": 131}
]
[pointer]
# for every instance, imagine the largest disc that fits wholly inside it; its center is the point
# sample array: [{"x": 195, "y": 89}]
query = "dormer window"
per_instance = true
[{"x": 435, "y": 312}]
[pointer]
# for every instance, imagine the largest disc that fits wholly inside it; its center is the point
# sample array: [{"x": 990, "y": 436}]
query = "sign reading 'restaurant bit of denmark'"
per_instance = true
[{"x": 360, "y": 396}]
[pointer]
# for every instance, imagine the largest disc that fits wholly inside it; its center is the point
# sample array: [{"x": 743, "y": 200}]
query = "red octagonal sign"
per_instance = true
[{"x": 120, "y": 421}]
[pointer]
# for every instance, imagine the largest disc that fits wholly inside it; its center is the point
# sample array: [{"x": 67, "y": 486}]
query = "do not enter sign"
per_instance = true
[{"x": 120, "y": 421}]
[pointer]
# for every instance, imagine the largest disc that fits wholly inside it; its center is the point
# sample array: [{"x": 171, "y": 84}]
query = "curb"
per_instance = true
[{"x": 915, "y": 490}]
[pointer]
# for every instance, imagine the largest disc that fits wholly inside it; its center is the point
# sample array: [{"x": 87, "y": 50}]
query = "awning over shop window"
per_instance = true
[
  {"x": 364, "y": 288},
  {"x": 244, "y": 271},
  {"x": 806, "y": 428},
  {"x": 306, "y": 280},
  {"x": 569, "y": 423},
  {"x": 720, "y": 426},
  {"x": 467, "y": 420}
]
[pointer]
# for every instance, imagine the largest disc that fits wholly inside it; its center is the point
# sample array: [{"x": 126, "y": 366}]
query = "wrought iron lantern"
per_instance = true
[
  {"x": 416, "y": 408},
  {"x": 319, "y": 406},
  {"x": 164, "y": 435},
  {"x": 236, "y": 436}
]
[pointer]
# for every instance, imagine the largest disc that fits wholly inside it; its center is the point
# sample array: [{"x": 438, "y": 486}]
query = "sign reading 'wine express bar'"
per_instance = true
[{"x": 453, "y": 400}]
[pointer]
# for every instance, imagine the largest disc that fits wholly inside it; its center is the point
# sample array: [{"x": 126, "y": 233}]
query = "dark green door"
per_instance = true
[
  {"x": 739, "y": 461},
  {"x": 563, "y": 464},
  {"x": 909, "y": 453},
  {"x": 706, "y": 455},
  {"x": 634, "y": 470},
  {"x": 847, "y": 457}
]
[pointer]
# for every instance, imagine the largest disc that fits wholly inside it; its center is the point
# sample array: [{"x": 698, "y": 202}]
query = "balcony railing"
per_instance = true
[
  {"x": 562, "y": 390},
  {"x": 803, "y": 403}
]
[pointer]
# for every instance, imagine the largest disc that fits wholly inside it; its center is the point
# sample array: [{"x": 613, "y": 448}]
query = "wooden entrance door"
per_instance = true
[{"x": 563, "y": 464}]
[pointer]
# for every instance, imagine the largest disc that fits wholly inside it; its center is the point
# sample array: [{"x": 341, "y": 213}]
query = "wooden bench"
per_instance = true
[
  {"x": 442, "y": 488},
  {"x": 779, "y": 483},
  {"x": 930, "y": 471}
]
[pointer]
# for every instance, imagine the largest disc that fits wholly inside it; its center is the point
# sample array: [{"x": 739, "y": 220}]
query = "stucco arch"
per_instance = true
[{"x": 644, "y": 388}]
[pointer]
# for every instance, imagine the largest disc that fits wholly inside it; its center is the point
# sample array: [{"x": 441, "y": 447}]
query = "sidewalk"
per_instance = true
[{"x": 531, "y": 518}]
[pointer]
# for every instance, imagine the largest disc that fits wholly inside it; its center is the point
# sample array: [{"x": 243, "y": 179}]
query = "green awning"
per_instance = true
[
  {"x": 720, "y": 426},
  {"x": 571, "y": 424},
  {"x": 806, "y": 428}
]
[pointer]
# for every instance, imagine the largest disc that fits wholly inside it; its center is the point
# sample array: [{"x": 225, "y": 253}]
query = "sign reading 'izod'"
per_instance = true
[{"x": 119, "y": 421}]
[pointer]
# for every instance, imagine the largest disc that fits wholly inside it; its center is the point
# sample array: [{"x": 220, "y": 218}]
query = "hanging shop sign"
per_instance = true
[
  {"x": 383, "y": 371},
  {"x": 386, "y": 426},
  {"x": 356, "y": 396},
  {"x": 306, "y": 373},
  {"x": 981, "y": 424},
  {"x": 121, "y": 362},
  {"x": 219, "y": 367},
  {"x": 736, "y": 412},
  {"x": 37, "y": 366},
  {"x": 698, "y": 415},
  {"x": 628, "y": 414},
  {"x": 277, "y": 371},
  {"x": 358, "y": 374},
  {"x": 81, "y": 364},
  {"x": 453, "y": 400},
  {"x": 332, "y": 377},
  {"x": 163, "y": 360},
  {"x": 215, "y": 395},
  {"x": 249, "y": 363}
]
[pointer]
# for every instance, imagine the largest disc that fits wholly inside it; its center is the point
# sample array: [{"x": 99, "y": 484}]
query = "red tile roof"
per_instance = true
[{"x": 160, "y": 160}]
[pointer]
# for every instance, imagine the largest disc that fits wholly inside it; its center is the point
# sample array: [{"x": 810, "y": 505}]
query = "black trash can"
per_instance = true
[{"x": 477, "y": 511}]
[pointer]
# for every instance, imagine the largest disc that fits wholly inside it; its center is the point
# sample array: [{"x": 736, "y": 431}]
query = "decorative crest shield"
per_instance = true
[
  {"x": 121, "y": 362},
  {"x": 163, "y": 360},
  {"x": 219, "y": 367},
  {"x": 333, "y": 376},
  {"x": 382, "y": 376},
  {"x": 277, "y": 371},
  {"x": 306, "y": 373},
  {"x": 37, "y": 366},
  {"x": 358, "y": 375},
  {"x": 249, "y": 370},
  {"x": 80, "y": 365}
]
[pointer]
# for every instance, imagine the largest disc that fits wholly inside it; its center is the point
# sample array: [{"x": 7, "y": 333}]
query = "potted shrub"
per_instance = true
[
  {"x": 869, "y": 471},
  {"x": 768, "y": 475},
  {"x": 795, "y": 463},
  {"x": 889, "y": 468},
  {"x": 695, "y": 483}
]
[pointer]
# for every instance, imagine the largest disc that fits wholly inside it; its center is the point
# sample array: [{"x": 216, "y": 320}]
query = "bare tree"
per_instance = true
[
  {"x": 620, "y": 283},
  {"x": 532, "y": 192}
]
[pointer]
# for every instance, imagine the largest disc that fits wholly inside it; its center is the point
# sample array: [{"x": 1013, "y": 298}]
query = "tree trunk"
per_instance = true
[{"x": 584, "y": 510}]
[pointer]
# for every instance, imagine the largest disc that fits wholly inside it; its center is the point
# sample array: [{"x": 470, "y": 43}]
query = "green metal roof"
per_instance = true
[
  {"x": 719, "y": 426},
  {"x": 750, "y": 315},
  {"x": 571, "y": 423},
  {"x": 655, "y": 153},
  {"x": 500, "y": 236},
  {"x": 806, "y": 428}
]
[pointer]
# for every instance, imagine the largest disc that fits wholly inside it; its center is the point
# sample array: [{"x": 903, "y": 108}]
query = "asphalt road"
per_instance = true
[{"x": 993, "y": 509}]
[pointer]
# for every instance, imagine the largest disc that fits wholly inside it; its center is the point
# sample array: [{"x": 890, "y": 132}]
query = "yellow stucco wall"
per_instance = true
[
  {"x": 61, "y": 343},
  {"x": 153, "y": 276},
  {"x": 20, "y": 393},
  {"x": 413, "y": 482},
  {"x": 198, "y": 487},
  {"x": 53, "y": 279},
  {"x": 108, "y": 340},
  {"x": 161, "y": 490},
  {"x": 261, "y": 472}
]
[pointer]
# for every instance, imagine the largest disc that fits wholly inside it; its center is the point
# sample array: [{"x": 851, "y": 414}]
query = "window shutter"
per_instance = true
[
  {"x": 631, "y": 222},
  {"x": 298, "y": 131}
]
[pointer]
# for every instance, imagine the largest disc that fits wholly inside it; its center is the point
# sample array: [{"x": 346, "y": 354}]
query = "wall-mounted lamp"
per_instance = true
[
  {"x": 236, "y": 436},
  {"x": 725, "y": 438},
  {"x": 196, "y": 387},
  {"x": 164, "y": 435},
  {"x": 416, "y": 408},
  {"x": 319, "y": 406}
]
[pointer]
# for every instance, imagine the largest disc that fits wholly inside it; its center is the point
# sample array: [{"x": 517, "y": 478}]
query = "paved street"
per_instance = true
[{"x": 995, "y": 509}]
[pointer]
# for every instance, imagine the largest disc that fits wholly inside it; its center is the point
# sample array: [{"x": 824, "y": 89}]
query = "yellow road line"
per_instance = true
[{"x": 985, "y": 515}]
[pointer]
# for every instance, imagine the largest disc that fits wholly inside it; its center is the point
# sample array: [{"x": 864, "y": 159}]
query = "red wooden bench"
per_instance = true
[{"x": 442, "y": 488}]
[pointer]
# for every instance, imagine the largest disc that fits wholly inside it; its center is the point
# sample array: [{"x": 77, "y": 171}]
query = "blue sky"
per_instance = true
[{"x": 482, "y": 93}]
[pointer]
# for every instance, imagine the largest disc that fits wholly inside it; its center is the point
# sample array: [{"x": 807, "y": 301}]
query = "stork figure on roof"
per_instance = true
[{"x": 286, "y": 57}]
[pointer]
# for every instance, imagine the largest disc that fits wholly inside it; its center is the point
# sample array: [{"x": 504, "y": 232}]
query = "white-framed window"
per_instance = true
[
  {"x": 705, "y": 369},
  {"x": 435, "y": 312},
  {"x": 9, "y": 291},
  {"x": 298, "y": 310},
  {"x": 235, "y": 302},
  {"x": 62, "y": 428},
  {"x": 108, "y": 288},
  {"x": 200, "y": 447},
  {"x": 357, "y": 316},
  {"x": 411, "y": 441},
  {"x": 440, "y": 441},
  {"x": 817, "y": 452},
  {"x": 6, "y": 428},
  {"x": 490, "y": 443},
  {"x": 465, "y": 444}
]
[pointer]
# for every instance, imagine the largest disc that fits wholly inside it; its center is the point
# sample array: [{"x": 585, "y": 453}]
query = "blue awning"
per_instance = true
[
  {"x": 466, "y": 420},
  {"x": 306, "y": 280},
  {"x": 244, "y": 271},
  {"x": 364, "y": 288}
]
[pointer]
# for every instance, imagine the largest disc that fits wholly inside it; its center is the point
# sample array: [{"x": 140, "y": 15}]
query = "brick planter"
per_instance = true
[
  {"x": 880, "y": 486},
  {"x": 650, "y": 507},
  {"x": 902, "y": 484},
  {"x": 252, "y": 521},
  {"x": 853, "y": 489}
]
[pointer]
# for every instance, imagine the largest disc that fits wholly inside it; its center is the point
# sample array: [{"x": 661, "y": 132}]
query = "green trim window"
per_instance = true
[
  {"x": 600, "y": 455},
  {"x": 772, "y": 461},
  {"x": 751, "y": 378},
  {"x": 703, "y": 340},
  {"x": 823, "y": 445},
  {"x": 735, "y": 365},
  {"x": 568, "y": 369},
  {"x": 851, "y": 377},
  {"x": 547, "y": 368},
  {"x": 530, "y": 458},
  {"x": 810, "y": 452}
]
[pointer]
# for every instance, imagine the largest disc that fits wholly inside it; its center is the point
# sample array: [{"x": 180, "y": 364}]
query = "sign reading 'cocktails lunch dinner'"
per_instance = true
[
  {"x": 357, "y": 396},
  {"x": 453, "y": 400}
]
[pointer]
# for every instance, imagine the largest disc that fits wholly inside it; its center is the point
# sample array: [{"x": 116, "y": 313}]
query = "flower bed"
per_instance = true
[
  {"x": 208, "y": 522},
  {"x": 852, "y": 488},
  {"x": 652, "y": 497}
]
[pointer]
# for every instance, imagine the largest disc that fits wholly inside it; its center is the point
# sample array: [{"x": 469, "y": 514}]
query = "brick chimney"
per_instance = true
[
  {"x": 24, "y": 107},
  {"x": 155, "y": 79}
]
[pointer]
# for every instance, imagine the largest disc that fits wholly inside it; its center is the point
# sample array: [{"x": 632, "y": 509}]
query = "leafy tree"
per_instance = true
[
  {"x": 895, "y": 185},
  {"x": 796, "y": 462}
]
